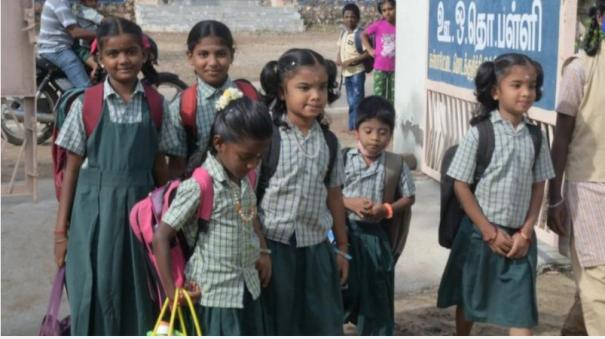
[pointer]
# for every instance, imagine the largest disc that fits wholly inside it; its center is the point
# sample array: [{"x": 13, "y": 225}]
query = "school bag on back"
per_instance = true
[
  {"x": 188, "y": 109},
  {"x": 398, "y": 227},
  {"x": 92, "y": 107},
  {"x": 368, "y": 63},
  {"x": 451, "y": 211},
  {"x": 145, "y": 218}
]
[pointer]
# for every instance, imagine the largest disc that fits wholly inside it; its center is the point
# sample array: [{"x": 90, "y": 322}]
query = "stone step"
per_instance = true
[{"x": 238, "y": 15}]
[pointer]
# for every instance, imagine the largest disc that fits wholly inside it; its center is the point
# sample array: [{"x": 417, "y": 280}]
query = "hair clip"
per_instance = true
[
  {"x": 228, "y": 95},
  {"x": 293, "y": 63}
]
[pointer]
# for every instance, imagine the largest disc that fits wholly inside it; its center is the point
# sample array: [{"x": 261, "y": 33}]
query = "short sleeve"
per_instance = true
[
  {"x": 64, "y": 14},
  {"x": 406, "y": 182},
  {"x": 543, "y": 168},
  {"x": 463, "y": 165},
  {"x": 372, "y": 28},
  {"x": 184, "y": 206},
  {"x": 572, "y": 89},
  {"x": 72, "y": 135},
  {"x": 173, "y": 140},
  {"x": 338, "y": 172}
]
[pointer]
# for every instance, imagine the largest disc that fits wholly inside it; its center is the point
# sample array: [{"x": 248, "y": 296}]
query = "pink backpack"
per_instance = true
[{"x": 146, "y": 215}]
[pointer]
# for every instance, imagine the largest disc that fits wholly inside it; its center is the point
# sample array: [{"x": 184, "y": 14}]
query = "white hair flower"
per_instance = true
[{"x": 229, "y": 95}]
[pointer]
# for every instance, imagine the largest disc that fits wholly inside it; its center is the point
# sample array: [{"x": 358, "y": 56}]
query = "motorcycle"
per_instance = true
[{"x": 51, "y": 83}]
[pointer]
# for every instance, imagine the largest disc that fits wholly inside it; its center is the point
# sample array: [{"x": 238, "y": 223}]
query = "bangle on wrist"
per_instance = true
[
  {"x": 389, "y": 209},
  {"x": 345, "y": 255},
  {"x": 265, "y": 251},
  {"x": 522, "y": 235},
  {"x": 58, "y": 241},
  {"x": 557, "y": 203}
]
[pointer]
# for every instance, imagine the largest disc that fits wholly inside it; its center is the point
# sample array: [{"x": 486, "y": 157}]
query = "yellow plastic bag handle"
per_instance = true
[{"x": 175, "y": 306}]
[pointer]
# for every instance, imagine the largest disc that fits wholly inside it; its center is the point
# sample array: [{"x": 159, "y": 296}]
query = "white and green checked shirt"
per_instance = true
[
  {"x": 174, "y": 141},
  {"x": 366, "y": 181},
  {"x": 73, "y": 137},
  {"x": 224, "y": 258},
  {"x": 504, "y": 191},
  {"x": 295, "y": 198}
]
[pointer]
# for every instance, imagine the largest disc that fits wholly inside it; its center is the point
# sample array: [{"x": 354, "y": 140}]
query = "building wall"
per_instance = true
[{"x": 410, "y": 76}]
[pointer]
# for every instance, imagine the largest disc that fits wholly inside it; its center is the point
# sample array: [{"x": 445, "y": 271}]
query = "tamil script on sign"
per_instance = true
[{"x": 464, "y": 33}]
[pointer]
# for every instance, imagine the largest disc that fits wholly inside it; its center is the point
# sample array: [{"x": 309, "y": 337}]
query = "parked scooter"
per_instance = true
[{"x": 51, "y": 83}]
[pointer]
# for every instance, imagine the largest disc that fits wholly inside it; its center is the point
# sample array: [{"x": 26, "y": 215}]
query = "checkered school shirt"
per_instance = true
[
  {"x": 73, "y": 137},
  {"x": 366, "y": 181},
  {"x": 223, "y": 261},
  {"x": 295, "y": 199},
  {"x": 504, "y": 191},
  {"x": 174, "y": 141}
]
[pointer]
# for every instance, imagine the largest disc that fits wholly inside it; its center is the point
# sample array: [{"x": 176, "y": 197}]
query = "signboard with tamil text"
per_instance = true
[{"x": 464, "y": 33}]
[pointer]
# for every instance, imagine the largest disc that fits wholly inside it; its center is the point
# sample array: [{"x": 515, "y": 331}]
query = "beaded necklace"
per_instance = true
[{"x": 246, "y": 217}]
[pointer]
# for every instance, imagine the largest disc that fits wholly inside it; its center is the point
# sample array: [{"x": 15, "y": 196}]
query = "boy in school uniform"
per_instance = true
[{"x": 371, "y": 277}]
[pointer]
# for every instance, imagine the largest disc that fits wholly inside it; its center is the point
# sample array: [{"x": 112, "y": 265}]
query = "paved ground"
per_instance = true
[{"x": 28, "y": 268}]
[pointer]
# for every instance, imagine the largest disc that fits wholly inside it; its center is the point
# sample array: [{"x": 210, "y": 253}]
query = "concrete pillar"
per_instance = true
[{"x": 410, "y": 76}]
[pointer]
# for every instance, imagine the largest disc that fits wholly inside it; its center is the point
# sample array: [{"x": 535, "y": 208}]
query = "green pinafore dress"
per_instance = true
[{"x": 105, "y": 267}]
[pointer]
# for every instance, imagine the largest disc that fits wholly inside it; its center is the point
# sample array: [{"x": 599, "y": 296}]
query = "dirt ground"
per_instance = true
[{"x": 415, "y": 313}]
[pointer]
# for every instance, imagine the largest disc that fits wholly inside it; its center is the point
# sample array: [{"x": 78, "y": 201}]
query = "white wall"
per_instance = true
[{"x": 410, "y": 75}]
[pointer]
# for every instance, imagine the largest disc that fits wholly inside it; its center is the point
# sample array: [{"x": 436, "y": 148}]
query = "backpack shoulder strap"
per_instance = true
[
  {"x": 92, "y": 107},
  {"x": 248, "y": 89},
  {"x": 332, "y": 142},
  {"x": 358, "y": 43},
  {"x": 204, "y": 179},
  {"x": 269, "y": 164},
  {"x": 536, "y": 138},
  {"x": 485, "y": 149},
  {"x": 343, "y": 152},
  {"x": 393, "y": 166},
  {"x": 155, "y": 102},
  {"x": 188, "y": 110}
]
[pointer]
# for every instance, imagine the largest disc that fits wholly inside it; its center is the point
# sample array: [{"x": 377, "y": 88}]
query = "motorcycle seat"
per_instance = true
[{"x": 45, "y": 64}]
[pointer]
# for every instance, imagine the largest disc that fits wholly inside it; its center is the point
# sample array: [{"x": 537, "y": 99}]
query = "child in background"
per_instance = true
[
  {"x": 230, "y": 253},
  {"x": 302, "y": 200},
  {"x": 88, "y": 18},
  {"x": 383, "y": 31},
  {"x": 210, "y": 52},
  {"x": 491, "y": 272},
  {"x": 371, "y": 274},
  {"x": 106, "y": 173},
  {"x": 351, "y": 61}
]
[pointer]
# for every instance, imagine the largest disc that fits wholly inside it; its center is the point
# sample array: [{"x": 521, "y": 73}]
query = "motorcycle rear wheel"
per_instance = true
[{"x": 12, "y": 117}]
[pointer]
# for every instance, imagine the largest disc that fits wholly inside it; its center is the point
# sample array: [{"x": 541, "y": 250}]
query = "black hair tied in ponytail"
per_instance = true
[{"x": 594, "y": 35}]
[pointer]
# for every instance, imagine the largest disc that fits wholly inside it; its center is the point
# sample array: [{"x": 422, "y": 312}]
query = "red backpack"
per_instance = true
[
  {"x": 91, "y": 113},
  {"x": 188, "y": 109},
  {"x": 145, "y": 218}
]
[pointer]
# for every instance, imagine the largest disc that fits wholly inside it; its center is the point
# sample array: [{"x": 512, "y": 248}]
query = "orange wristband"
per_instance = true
[{"x": 389, "y": 209}]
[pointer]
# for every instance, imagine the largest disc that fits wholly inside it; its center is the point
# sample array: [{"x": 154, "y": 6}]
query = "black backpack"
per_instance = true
[
  {"x": 271, "y": 158},
  {"x": 451, "y": 210}
]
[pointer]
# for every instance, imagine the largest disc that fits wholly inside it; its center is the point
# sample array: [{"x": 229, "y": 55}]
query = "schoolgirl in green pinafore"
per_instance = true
[
  {"x": 369, "y": 301},
  {"x": 491, "y": 271},
  {"x": 106, "y": 174}
]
